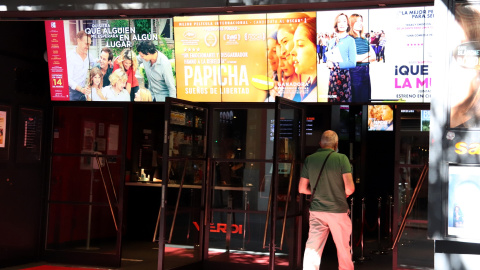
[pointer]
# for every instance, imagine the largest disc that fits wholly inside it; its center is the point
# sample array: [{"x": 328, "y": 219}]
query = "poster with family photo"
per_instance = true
[{"x": 111, "y": 60}]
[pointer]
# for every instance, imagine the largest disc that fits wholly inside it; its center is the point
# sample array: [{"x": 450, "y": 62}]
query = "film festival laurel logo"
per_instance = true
[{"x": 210, "y": 40}]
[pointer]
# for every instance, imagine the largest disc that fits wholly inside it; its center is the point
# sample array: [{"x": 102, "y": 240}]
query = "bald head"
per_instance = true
[{"x": 329, "y": 139}]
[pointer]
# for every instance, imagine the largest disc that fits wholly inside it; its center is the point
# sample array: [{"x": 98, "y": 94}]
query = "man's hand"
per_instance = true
[{"x": 304, "y": 186}]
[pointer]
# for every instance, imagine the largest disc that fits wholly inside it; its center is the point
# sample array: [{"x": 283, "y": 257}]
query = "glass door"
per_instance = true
[
  {"x": 84, "y": 217},
  {"x": 239, "y": 186},
  {"x": 413, "y": 249},
  {"x": 184, "y": 170},
  {"x": 231, "y": 186},
  {"x": 285, "y": 211}
]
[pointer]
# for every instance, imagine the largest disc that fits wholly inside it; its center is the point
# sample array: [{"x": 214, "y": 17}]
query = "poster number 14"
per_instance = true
[{"x": 57, "y": 82}]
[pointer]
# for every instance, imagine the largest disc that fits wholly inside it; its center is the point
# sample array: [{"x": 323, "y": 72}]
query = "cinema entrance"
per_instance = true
[{"x": 231, "y": 198}]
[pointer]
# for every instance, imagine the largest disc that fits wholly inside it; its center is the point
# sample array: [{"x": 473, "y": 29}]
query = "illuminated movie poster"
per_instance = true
[
  {"x": 111, "y": 60},
  {"x": 292, "y": 56},
  {"x": 3, "y": 128},
  {"x": 337, "y": 56},
  {"x": 243, "y": 54},
  {"x": 223, "y": 58},
  {"x": 464, "y": 92},
  {"x": 197, "y": 54},
  {"x": 463, "y": 193},
  {"x": 403, "y": 70},
  {"x": 380, "y": 118},
  {"x": 389, "y": 58}
]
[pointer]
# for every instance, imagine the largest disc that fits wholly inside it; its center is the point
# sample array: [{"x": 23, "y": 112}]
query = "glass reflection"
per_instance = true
[
  {"x": 414, "y": 249},
  {"x": 86, "y": 176},
  {"x": 81, "y": 228},
  {"x": 243, "y": 134},
  {"x": 187, "y": 131}
]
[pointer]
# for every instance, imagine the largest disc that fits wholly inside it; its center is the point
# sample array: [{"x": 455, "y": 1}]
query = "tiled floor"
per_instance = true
[{"x": 143, "y": 256}]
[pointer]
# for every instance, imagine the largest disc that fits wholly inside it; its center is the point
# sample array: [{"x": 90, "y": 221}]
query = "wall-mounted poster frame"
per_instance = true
[
  {"x": 30, "y": 131},
  {"x": 463, "y": 190},
  {"x": 5, "y": 116}
]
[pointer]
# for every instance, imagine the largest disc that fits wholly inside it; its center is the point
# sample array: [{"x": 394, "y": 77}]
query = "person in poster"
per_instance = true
[
  {"x": 158, "y": 69},
  {"x": 79, "y": 61},
  {"x": 304, "y": 61},
  {"x": 272, "y": 54},
  {"x": 457, "y": 217},
  {"x": 105, "y": 64},
  {"x": 341, "y": 58},
  {"x": 116, "y": 91},
  {"x": 143, "y": 94},
  {"x": 465, "y": 112},
  {"x": 273, "y": 59},
  {"x": 127, "y": 61},
  {"x": 95, "y": 83},
  {"x": 288, "y": 80},
  {"x": 381, "y": 47},
  {"x": 360, "y": 74}
]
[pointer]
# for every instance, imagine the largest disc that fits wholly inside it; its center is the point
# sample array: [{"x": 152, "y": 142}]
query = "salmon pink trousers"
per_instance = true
[{"x": 321, "y": 223}]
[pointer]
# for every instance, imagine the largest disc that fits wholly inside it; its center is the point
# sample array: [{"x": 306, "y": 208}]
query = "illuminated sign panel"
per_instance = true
[
  {"x": 380, "y": 118},
  {"x": 339, "y": 56},
  {"x": 100, "y": 60},
  {"x": 463, "y": 192}
]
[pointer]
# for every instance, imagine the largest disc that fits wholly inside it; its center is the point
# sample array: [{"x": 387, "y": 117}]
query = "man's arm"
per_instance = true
[
  {"x": 71, "y": 63},
  {"x": 367, "y": 57},
  {"x": 349, "y": 185},
  {"x": 304, "y": 186},
  {"x": 169, "y": 80},
  {"x": 140, "y": 60}
]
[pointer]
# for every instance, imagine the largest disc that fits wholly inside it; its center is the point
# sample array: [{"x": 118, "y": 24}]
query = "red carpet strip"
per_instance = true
[{"x": 51, "y": 267}]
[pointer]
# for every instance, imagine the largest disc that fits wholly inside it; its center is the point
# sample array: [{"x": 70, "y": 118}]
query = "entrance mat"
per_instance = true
[{"x": 52, "y": 267}]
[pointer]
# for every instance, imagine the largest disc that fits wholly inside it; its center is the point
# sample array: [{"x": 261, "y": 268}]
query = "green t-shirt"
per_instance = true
[{"x": 330, "y": 194}]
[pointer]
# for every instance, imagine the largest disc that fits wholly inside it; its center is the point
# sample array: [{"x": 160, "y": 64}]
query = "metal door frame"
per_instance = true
[{"x": 279, "y": 102}]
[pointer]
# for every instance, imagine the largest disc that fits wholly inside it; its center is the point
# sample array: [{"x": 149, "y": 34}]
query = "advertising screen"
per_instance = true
[
  {"x": 111, "y": 60},
  {"x": 223, "y": 58},
  {"x": 382, "y": 54},
  {"x": 464, "y": 93},
  {"x": 405, "y": 72},
  {"x": 339, "y": 56},
  {"x": 463, "y": 193},
  {"x": 197, "y": 55},
  {"x": 292, "y": 55},
  {"x": 3, "y": 128},
  {"x": 380, "y": 118},
  {"x": 425, "y": 120}
]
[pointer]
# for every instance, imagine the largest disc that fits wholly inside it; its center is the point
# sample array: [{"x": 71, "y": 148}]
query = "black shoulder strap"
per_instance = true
[{"x": 319, "y": 174}]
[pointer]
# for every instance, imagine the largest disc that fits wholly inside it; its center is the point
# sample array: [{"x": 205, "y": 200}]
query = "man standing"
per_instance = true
[
  {"x": 158, "y": 69},
  {"x": 79, "y": 62},
  {"x": 329, "y": 208},
  {"x": 105, "y": 65}
]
